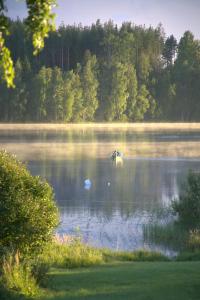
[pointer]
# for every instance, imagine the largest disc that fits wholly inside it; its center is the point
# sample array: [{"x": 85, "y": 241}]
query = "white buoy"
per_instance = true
[{"x": 87, "y": 184}]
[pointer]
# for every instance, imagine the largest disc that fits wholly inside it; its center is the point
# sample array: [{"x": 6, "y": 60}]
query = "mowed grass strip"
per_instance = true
[{"x": 135, "y": 281}]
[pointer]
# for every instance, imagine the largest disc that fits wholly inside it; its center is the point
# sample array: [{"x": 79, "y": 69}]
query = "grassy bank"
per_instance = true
[
  {"x": 74, "y": 270},
  {"x": 77, "y": 254},
  {"x": 138, "y": 281}
]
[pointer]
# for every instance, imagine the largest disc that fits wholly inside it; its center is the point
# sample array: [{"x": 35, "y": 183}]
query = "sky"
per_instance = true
[{"x": 176, "y": 16}]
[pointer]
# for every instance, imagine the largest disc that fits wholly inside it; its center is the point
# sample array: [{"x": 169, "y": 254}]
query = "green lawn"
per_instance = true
[{"x": 135, "y": 281}]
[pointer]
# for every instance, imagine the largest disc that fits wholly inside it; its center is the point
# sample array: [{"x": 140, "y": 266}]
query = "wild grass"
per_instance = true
[
  {"x": 192, "y": 250},
  {"x": 74, "y": 253},
  {"x": 17, "y": 277},
  {"x": 71, "y": 254},
  {"x": 176, "y": 237},
  {"x": 189, "y": 256},
  {"x": 170, "y": 235},
  {"x": 139, "y": 255}
]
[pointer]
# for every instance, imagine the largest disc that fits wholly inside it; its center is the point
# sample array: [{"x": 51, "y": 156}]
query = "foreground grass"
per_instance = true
[{"x": 138, "y": 281}]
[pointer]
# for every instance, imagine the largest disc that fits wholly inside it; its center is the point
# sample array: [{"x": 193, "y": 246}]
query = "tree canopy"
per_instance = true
[
  {"x": 40, "y": 22},
  {"x": 102, "y": 72}
]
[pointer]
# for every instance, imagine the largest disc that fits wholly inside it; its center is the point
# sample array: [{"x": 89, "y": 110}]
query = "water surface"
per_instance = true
[{"x": 113, "y": 209}]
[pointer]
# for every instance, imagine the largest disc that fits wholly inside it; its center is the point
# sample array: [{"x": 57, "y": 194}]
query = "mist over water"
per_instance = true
[{"x": 112, "y": 210}]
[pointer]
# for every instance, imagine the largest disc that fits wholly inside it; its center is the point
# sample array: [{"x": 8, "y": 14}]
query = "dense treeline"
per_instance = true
[{"x": 103, "y": 73}]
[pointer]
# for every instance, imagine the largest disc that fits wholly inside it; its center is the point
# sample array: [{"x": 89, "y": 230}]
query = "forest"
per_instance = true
[{"x": 103, "y": 72}]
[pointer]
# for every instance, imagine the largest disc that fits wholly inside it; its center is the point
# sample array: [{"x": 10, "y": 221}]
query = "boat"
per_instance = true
[{"x": 117, "y": 157}]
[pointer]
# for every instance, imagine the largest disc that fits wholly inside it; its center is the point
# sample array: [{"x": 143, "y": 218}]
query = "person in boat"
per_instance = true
[{"x": 115, "y": 154}]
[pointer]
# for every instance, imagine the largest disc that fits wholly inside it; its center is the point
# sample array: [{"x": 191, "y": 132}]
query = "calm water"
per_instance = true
[{"x": 112, "y": 211}]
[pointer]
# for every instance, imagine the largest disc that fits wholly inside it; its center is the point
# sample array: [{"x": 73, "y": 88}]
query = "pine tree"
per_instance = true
[{"x": 169, "y": 50}]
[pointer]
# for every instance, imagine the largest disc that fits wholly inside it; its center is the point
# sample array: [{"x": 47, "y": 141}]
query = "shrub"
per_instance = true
[
  {"x": 28, "y": 214},
  {"x": 188, "y": 205}
]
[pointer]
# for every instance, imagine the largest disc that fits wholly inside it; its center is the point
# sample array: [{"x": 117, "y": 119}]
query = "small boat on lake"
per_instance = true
[{"x": 117, "y": 157}]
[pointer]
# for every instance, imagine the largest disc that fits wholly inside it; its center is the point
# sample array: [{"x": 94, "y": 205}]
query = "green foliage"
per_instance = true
[
  {"x": 43, "y": 93},
  {"x": 139, "y": 255},
  {"x": 17, "y": 277},
  {"x": 90, "y": 86},
  {"x": 75, "y": 253},
  {"x": 54, "y": 96},
  {"x": 73, "y": 102},
  {"x": 40, "y": 21},
  {"x": 194, "y": 240},
  {"x": 28, "y": 214},
  {"x": 117, "y": 98},
  {"x": 128, "y": 73},
  {"x": 187, "y": 206},
  {"x": 77, "y": 111},
  {"x": 39, "y": 270},
  {"x": 189, "y": 256},
  {"x": 71, "y": 255},
  {"x": 169, "y": 50},
  {"x": 6, "y": 64},
  {"x": 19, "y": 95},
  {"x": 170, "y": 235},
  {"x": 132, "y": 91},
  {"x": 142, "y": 104}
]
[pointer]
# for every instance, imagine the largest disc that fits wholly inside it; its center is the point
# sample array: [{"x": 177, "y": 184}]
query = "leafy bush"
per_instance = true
[
  {"x": 28, "y": 214},
  {"x": 188, "y": 205}
]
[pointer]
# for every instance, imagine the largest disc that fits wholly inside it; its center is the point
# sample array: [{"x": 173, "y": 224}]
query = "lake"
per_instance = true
[{"x": 120, "y": 200}]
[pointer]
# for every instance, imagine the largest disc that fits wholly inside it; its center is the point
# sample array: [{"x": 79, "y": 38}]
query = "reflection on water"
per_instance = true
[{"x": 110, "y": 204}]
